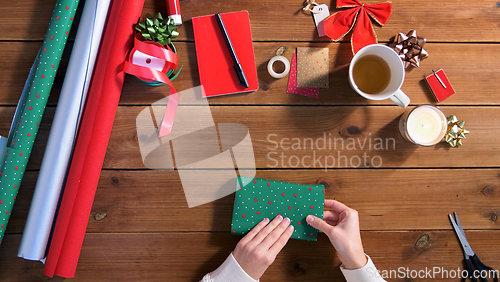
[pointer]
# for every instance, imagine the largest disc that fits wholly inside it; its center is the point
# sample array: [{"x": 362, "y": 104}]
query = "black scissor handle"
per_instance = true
[
  {"x": 483, "y": 267},
  {"x": 470, "y": 269}
]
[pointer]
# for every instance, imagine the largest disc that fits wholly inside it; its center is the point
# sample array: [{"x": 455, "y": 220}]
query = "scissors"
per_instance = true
[{"x": 471, "y": 258}]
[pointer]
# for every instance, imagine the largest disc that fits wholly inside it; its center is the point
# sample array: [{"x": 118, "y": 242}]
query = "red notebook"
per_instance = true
[{"x": 215, "y": 65}]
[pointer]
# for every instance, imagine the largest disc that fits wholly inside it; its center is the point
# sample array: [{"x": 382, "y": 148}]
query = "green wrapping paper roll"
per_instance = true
[{"x": 31, "y": 107}]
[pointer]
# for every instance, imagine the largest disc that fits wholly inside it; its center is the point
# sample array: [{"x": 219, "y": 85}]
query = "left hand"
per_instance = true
[{"x": 257, "y": 250}]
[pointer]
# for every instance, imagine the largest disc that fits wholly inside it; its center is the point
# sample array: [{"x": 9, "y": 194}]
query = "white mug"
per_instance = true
[{"x": 393, "y": 90}]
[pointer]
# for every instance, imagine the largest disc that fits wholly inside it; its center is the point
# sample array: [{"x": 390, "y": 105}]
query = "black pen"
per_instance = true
[{"x": 237, "y": 67}]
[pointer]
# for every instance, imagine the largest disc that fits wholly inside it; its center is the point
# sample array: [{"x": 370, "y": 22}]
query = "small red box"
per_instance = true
[{"x": 439, "y": 91}]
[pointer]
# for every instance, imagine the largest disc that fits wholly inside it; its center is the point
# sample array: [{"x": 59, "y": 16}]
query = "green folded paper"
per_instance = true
[
  {"x": 258, "y": 198},
  {"x": 31, "y": 107}
]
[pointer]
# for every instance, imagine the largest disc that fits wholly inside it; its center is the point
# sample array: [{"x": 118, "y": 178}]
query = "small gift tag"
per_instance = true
[
  {"x": 440, "y": 85},
  {"x": 320, "y": 12}
]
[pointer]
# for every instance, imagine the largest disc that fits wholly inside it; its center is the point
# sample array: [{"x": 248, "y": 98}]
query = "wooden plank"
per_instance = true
[
  {"x": 348, "y": 132},
  {"x": 189, "y": 256},
  {"x": 277, "y": 20},
  {"x": 401, "y": 199},
  {"x": 475, "y": 73},
  {"x": 270, "y": 126}
]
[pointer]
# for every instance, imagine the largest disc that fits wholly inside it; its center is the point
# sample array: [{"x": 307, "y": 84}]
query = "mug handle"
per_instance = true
[{"x": 400, "y": 98}]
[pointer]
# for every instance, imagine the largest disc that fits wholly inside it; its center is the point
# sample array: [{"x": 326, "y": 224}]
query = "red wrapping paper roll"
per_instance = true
[{"x": 93, "y": 138}]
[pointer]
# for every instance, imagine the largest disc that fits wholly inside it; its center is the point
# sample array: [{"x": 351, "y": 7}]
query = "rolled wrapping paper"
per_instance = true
[
  {"x": 3, "y": 147},
  {"x": 31, "y": 107},
  {"x": 93, "y": 138},
  {"x": 63, "y": 131},
  {"x": 3, "y": 144}
]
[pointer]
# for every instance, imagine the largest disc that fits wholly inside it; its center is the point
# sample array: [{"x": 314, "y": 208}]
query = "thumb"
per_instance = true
[{"x": 319, "y": 224}]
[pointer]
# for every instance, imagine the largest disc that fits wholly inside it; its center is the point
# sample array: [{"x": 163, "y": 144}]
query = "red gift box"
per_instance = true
[{"x": 440, "y": 92}]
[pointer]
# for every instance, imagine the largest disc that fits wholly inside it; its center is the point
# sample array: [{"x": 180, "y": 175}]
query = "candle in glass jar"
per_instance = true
[{"x": 424, "y": 125}]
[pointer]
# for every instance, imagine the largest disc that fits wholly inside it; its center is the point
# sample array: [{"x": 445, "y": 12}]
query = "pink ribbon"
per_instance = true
[{"x": 149, "y": 74}]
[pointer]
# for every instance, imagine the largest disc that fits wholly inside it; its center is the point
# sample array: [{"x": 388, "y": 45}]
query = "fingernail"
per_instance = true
[
  {"x": 265, "y": 219},
  {"x": 279, "y": 217},
  {"x": 310, "y": 219},
  {"x": 290, "y": 227},
  {"x": 287, "y": 220}
]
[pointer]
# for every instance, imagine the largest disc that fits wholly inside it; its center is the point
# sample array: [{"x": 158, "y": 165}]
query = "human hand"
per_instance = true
[
  {"x": 341, "y": 225},
  {"x": 257, "y": 250}
]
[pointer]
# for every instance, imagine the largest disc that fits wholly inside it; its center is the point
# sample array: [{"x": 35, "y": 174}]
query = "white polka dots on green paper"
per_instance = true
[
  {"x": 276, "y": 197},
  {"x": 42, "y": 79}
]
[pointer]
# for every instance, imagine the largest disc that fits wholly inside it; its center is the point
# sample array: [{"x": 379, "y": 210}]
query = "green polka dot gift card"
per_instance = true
[{"x": 256, "y": 199}]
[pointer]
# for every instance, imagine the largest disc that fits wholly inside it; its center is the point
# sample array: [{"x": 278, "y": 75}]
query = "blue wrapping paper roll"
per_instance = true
[{"x": 63, "y": 131}]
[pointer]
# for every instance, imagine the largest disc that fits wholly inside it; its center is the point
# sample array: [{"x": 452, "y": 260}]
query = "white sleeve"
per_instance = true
[
  {"x": 229, "y": 271},
  {"x": 367, "y": 273}
]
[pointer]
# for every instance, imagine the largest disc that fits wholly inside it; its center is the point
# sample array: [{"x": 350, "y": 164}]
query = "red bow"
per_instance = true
[{"x": 340, "y": 23}]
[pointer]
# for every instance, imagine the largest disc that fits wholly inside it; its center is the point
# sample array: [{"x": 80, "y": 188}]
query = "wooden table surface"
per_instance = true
[{"x": 141, "y": 228}]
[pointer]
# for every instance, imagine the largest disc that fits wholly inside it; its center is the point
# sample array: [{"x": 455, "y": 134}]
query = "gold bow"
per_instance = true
[{"x": 456, "y": 132}]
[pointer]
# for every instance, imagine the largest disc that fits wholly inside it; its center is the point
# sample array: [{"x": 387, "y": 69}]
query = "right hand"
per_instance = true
[{"x": 341, "y": 225}]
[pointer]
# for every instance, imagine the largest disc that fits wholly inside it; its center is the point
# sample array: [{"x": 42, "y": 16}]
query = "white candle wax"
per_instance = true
[{"x": 426, "y": 125}]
